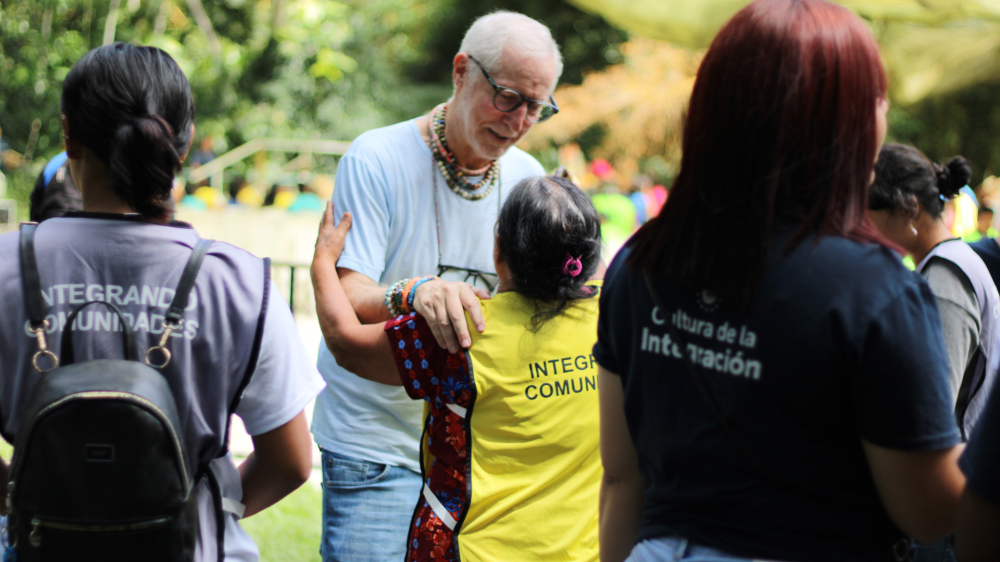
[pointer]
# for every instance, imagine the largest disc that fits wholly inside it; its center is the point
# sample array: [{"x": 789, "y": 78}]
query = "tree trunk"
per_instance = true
[
  {"x": 201, "y": 16},
  {"x": 111, "y": 24},
  {"x": 87, "y": 27},
  {"x": 160, "y": 24}
]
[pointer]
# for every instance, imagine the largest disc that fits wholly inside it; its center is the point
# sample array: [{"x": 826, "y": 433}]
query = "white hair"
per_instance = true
[{"x": 490, "y": 34}]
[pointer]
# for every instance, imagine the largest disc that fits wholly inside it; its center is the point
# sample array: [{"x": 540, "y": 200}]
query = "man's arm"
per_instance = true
[
  {"x": 442, "y": 303},
  {"x": 366, "y": 296},
  {"x": 622, "y": 485}
]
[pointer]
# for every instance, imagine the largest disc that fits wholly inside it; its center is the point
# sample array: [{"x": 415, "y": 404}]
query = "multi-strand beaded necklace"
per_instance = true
[{"x": 454, "y": 174}]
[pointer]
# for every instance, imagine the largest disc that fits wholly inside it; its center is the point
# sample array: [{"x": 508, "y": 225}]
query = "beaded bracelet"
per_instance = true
[
  {"x": 407, "y": 305},
  {"x": 413, "y": 291},
  {"x": 388, "y": 302},
  {"x": 397, "y": 296},
  {"x": 392, "y": 295}
]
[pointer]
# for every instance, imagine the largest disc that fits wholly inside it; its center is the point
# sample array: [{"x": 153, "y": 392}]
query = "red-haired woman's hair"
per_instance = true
[{"x": 781, "y": 126}]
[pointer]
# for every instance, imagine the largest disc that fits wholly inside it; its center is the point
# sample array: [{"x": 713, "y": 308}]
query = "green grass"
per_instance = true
[{"x": 289, "y": 530}]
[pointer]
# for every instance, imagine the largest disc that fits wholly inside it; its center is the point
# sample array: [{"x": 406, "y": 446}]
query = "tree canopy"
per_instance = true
[{"x": 932, "y": 47}]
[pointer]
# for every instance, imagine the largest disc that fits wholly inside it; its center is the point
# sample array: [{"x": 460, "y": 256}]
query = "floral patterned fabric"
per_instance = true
[{"x": 439, "y": 378}]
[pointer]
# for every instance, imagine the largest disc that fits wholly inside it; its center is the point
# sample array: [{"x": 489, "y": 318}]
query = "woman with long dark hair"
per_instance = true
[
  {"x": 773, "y": 382},
  {"x": 510, "y": 451},
  {"x": 128, "y": 122}
]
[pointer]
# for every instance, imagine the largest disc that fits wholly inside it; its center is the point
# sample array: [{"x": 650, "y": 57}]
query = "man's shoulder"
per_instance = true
[
  {"x": 521, "y": 163},
  {"x": 384, "y": 141}
]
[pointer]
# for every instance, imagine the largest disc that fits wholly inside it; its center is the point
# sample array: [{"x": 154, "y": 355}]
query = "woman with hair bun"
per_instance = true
[
  {"x": 127, "y": 121},
  {"x": 773, "y": 381},
  {"x": 510, "y": 453},
  {"x": 906, "y": 204}
]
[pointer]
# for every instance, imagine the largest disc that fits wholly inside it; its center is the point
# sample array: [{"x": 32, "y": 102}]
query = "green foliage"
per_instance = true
[
  {"x": 964, "y": 123},
  {"x": 311, "y": 68},
  {"x": 35, "y": 56},
  {"x": 274, "y": 68},
  {"x": 587, "y": 42},
  {"x": 20, "y": 182}
]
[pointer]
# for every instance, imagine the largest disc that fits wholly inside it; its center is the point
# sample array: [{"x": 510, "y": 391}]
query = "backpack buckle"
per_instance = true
[
  {"x": 43, "y": 350},
  {"x": 162, "y": 347}
]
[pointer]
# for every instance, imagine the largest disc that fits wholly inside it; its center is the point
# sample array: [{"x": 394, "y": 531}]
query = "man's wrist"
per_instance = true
[
  {"x": 400, "y": 296},
  {"x": 413, "y": 292}
]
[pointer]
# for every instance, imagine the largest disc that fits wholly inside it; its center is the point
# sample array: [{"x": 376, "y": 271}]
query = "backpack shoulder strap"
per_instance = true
[
  {"x": 180, "y": 300},
  {"x": 30, "y": 280}
]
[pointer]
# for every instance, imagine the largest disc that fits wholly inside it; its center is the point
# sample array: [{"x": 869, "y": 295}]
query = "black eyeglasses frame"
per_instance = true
[{"x": 497, "y": 89}]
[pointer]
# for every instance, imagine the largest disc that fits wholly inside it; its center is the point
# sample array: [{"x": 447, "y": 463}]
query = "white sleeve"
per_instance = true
[
  {"x": 364, "y": 193},
  {"x": 285, "y": 379}
]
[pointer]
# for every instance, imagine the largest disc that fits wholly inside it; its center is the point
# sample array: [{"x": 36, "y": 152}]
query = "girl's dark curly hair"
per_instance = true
[{"x": 544, "y": 220}]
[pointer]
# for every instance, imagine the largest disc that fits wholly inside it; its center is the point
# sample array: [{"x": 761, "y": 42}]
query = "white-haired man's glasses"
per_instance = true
[{"x": 508, "y": 100}]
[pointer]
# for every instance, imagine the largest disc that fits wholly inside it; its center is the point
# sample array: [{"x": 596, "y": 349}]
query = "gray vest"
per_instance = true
[
  {"x": 980, "y": 372},
  {"x": 136, "y": 265}
]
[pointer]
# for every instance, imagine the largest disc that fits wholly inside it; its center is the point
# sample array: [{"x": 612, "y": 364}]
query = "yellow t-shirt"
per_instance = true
[{"x": 523, "y": 437}]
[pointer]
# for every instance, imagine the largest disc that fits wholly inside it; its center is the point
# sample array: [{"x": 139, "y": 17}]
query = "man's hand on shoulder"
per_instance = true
[{"x": 443, "y": 304}]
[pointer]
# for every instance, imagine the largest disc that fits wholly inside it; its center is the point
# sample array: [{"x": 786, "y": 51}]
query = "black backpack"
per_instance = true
[{"x": 100, "y": 468}]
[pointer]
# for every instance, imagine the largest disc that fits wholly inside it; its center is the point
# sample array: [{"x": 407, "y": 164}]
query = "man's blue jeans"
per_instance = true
[
  {"x": 941, "y": 551},
  {"x": 673, "y": 548},
  {"x": 367, "y": 509}
]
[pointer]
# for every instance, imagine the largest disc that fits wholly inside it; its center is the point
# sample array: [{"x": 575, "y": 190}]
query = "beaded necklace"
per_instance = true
[
  {"x": 473, "y": 274},
  {"x": 454, "y": 174}
]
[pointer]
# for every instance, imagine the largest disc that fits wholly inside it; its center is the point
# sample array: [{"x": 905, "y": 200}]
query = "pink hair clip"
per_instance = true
[{"x": 573, "y": 266}]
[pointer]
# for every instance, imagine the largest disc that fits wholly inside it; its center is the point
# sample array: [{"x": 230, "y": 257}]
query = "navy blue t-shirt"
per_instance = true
[
  {"x": 981, "y": 460},
  {"x": 841, "y": 343},
  {"x": 989, "y": 252}
]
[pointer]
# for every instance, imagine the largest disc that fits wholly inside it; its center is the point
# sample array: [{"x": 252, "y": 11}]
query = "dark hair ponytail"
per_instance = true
[
  {"x": 143, "y": 163},
  {"x": 132, "y": 107},
  {"x": 904, "y": 175},
  {"x": 544, "y": 220}
]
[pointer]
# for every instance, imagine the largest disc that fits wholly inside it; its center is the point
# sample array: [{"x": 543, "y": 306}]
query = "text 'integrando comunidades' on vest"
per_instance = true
[
  {"x": 561, "y": 366},
  {"x": 107, "y": 321}
]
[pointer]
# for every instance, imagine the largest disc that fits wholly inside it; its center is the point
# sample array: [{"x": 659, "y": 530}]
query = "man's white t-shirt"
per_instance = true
[{"x": 388, "y": 180}]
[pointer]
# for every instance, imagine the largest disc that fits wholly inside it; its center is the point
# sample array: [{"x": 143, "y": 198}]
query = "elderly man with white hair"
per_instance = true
[{"x": 424, "y": 195}]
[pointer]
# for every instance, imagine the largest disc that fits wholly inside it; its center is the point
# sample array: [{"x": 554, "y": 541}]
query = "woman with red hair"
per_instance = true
[{"x": 773, "y": 381}]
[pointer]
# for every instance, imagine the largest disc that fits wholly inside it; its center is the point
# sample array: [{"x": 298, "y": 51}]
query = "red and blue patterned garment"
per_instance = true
[{"x": 444, "y": 381}]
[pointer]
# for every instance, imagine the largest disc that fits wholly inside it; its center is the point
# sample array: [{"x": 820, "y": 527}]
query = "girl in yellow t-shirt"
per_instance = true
[{"x": 510, "y": 451}]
